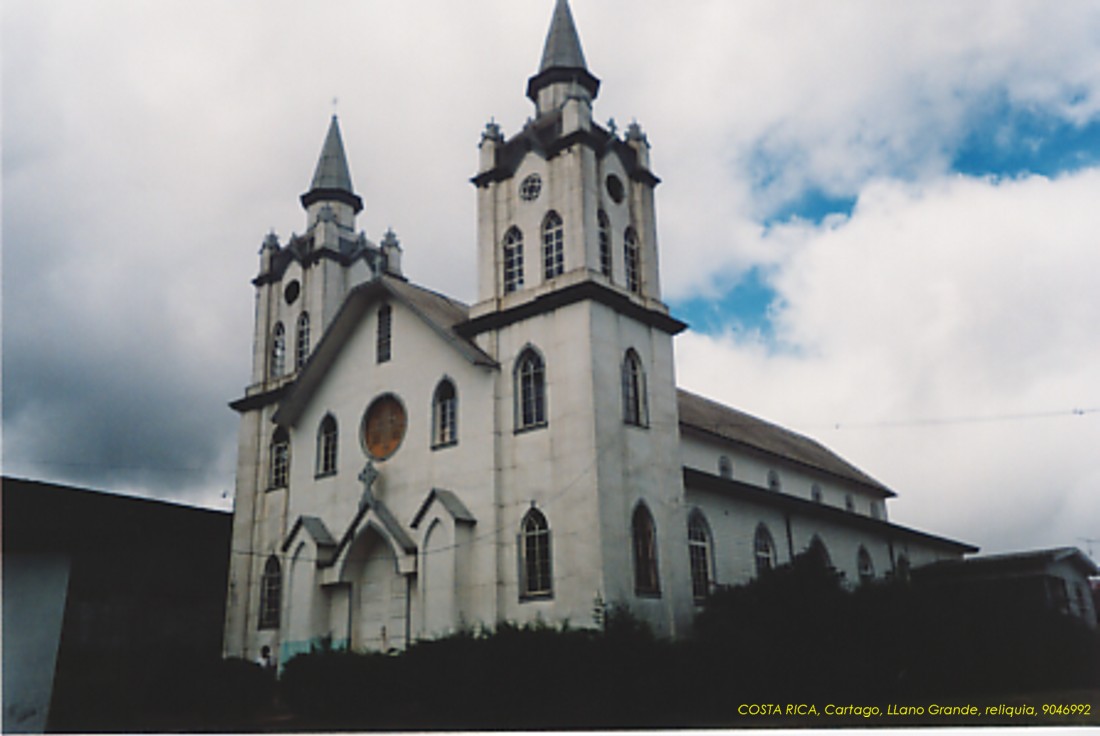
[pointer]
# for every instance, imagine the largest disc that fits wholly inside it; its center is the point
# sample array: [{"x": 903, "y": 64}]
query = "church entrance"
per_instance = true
[{"x": 378, "y": 594}]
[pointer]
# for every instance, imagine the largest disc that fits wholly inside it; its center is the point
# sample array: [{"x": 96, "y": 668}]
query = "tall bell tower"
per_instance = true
[{"x": 569, "y": 295}]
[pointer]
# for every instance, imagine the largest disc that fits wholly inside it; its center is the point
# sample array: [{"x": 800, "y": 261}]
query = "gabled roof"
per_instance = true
[
  {"x": 450, "y": 501},
  {"x": 1012, "y": 564},
  {"x": 725, "y": 423},
  {"x": 439, "y": 312}
]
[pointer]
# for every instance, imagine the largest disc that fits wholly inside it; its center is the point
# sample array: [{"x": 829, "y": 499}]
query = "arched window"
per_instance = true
[
  {"x": 849, "y": 502},
  {"x": 530, "y": 390},
  {"x": 444, "y": 414},
  {"x": 278, "y": 350},
  {"x": 815, "y": 493},
  {"x": 644, "y": 533},
  {"x": 535, "y": 560},
  {"x": 271, "y": 593},
  {"x": 326, "y": 446},
  {"x": 301, "y": 346},
  {"x": 384, "y": 347},
  {"x": 700, "y": 555},
  {"x": 513, "y": 260},
  {"x": 632, "y": 261},
  {"x": 634, "y": 399},
  {"x": 553, "y": 249},
  {"x": 603, "y": 226},
  {"x": 280, "y": 458},
  {"x": 864, "y": 565},
  {"x": 903, "y": 568},
  {"x": 764, "y": 550},
  {"x": 773, "y": 481},
  {"x": 725, "y": 467}
]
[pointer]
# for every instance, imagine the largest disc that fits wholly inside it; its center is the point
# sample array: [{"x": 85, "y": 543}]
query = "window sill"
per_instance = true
[
  {"x": 444, "y": 445},
  {"x": 531, "y": 428},
  {"x": 275, "y": 488},
  {"x": 326, "y": 474},
  {"x": 647, "y": 593},
  {"x": 529, "y": 597}
]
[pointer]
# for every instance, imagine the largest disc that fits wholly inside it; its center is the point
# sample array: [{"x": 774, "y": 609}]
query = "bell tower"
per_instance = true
[{"x": 569, "y": 303}]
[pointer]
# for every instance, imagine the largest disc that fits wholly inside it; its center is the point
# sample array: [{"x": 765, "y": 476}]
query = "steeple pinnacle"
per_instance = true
[
  {"x": 562, "y": 57},
  {"x": 332, "y": 178},
  {"x": 563, "y": 45}
]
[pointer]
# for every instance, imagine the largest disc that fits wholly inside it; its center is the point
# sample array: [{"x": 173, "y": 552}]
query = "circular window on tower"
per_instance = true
[
  {"x": 293, "y": 289},
  {"x": 530, "y": 187},
  {"x": 384, "y": 426},
  {"x": 615, "y": 188}
]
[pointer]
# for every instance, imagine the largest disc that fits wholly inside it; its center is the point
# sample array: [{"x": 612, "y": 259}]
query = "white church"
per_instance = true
[{"x": 410, "y": 465}]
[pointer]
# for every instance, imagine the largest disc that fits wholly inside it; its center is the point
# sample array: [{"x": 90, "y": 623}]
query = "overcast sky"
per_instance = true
[{"x": 880, "y": 218}]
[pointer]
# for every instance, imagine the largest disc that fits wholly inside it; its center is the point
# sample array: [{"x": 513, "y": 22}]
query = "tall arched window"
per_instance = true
[
  {"x": 444, "y": 414},
  {"x": 301, "y": 345},
  {"x": 865, "y": 565},
  {"x": 384, "y": 347},
  {"x": 644, "y": 534},
  {"x": 819, "y": 552},
  {"x": 635, "y": 410},
  {"x": 603, "y": 226},
  {"x": 535, "y": 560},
  {"x": 278, "y": 350},
  {"x": 700, "y": 555},
  {"x": 271, "y": 593},
  {"x": 764, "y": 550},
  {"x": 553, "y": 248},
  {"x": 326, "y": 446},
  {"x": 774, "y": 483},
  {"x": 632, "y": 261},
  {"x": 530, "y": 390},
  {"x": 280, "y": 458},
  {"x": 815, "y": 493},
  {"x": 513, "y": 260}
]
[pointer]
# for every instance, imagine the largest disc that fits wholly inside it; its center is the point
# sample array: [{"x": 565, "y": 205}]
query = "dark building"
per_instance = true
[{"x": 98, "y": 589}]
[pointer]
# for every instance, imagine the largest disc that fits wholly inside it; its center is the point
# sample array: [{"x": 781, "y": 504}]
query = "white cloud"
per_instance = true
[{"x": 955, "y": 299}]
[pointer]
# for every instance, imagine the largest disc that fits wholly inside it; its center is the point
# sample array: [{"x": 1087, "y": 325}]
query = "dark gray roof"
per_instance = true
[
  {"x": 1012, "y": 563},
  {"x": 563, "y": 45},
  {"x": 726, "y": 423},
  {"x": 332, "y": 167}
]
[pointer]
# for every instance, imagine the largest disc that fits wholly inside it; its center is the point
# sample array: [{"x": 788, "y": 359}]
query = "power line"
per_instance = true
[{"x": 973, "y": 419}]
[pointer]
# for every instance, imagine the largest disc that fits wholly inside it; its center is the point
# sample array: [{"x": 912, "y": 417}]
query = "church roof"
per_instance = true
[
  {"x": 439, "y": 312},
  {"x": 332, "y": 177},
  {"x": 563, "y": 45},
  {"x": 721, "y": 421},
  {"x": 1011, "y": 564}
]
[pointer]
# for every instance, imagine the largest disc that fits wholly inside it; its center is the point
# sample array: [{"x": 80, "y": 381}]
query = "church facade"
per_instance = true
[{"x": 409, "y": 465}]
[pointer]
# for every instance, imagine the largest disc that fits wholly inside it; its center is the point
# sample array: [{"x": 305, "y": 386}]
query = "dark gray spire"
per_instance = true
[
  {"x": 332, "y": 178},
  {"x": 562, "y": 57},
  {"x": 563, "y": 45}
]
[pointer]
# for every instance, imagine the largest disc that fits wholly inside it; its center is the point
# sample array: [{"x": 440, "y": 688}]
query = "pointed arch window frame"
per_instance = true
[
  {"x": 512, "y": 260},
  {"x": 328, "y": 436},
  {"x": 865, "y": 566},
  {"x": 700, "y": 556},
  {"x": 536, "y": 562},
  {"x": 643, "y": 537},
  {"x": 271, "y": 594},
  {"x": 301, "y": 341},
  {"x": 444, "y": 414},
  {"x": 280, "y": 459},
  {"x": 763, "y": 550},
  {"x": 553, "y": 245},
  {"x": 530, "y": 391},
  {"x": 278, "y": 351},
  {"x": 603, "y": 230},
  {"x": 632, "y": 261},
  {"x": 384, "y": 337},
  {"x": 635, "y": 403}
]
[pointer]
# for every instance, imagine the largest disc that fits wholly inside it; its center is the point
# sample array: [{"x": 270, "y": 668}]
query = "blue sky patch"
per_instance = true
[
  {"x": 1013, "y": 141},
  {"x": 743, "y": 307},
  {"x": 814, "y": 205}
]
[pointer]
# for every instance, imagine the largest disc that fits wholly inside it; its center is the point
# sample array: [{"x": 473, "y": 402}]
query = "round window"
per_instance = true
[
  {"x": 530, "y": 187},
  {"x": 293, "y": 289},
  {"x": 384, "y": 426},
  {"x": 615, "y": 188}
]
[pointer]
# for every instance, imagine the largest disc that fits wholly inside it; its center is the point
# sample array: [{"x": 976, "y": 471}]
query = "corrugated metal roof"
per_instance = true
[{"x": 727, "y": 423}]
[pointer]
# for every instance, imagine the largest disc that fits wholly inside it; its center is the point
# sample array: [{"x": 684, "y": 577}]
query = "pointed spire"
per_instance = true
[
  {"x": 562, "y": 56},
  {"x": 563, "y": 45},
  {"x": 332, "y": 178}
]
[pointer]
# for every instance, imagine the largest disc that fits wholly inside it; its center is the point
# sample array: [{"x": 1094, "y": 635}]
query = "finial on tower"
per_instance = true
[
  {"x": 562, "y": 56},
  {"x": 332, "y": 178}
]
